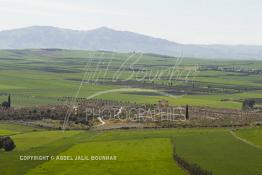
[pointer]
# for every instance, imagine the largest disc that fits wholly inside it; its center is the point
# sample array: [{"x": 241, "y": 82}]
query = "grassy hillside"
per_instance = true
[{"x": 36, "y": 77}]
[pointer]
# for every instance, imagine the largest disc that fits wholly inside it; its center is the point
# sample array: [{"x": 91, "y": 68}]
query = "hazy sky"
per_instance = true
[{"x": 185, "y": 21}]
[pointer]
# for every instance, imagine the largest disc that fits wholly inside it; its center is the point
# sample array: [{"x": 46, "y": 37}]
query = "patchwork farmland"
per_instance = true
[
  {"x": 137, "y": 151},
  {"x": 143, "y": 111}
]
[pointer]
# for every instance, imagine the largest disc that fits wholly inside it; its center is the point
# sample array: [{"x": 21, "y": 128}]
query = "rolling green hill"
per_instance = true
[{"x": 42, "y": 76}]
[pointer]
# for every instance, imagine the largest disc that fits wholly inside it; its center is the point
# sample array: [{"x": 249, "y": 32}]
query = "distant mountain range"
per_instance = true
[{"x": 119, "y": 41}]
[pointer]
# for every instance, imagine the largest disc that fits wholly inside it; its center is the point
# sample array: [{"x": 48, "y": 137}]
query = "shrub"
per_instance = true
[
  {"x": 7, "y": 143},
  {"x": 248, "y": 104},
  {"x": 5, "y": 104}
]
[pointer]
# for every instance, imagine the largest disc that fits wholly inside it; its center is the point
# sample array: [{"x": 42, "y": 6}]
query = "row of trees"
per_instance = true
[{"x": 193, "y": 169}]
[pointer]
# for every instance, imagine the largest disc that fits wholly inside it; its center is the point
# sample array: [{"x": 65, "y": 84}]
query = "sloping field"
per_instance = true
[{"x": 40, "y": 77}]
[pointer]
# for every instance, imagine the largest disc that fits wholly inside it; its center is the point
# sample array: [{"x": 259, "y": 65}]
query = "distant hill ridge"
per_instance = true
[{"x": 118, "y": 41}]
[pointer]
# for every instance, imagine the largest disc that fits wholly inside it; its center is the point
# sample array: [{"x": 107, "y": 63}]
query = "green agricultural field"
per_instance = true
[
  {"x": 253, "y": 135},
  {"x": 220, "y": 153},
  {"x": 28, "y": 140},
  {"x": 40, "y": 77},
  {"x": 6, "y": 132},
  {"x": 17, "y": 128},
  {"x": 137, "y": 151},
  {"x": 135, "y": 156}
]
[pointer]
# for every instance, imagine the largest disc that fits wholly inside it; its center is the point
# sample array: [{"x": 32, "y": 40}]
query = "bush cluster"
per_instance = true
[{"x": 7, "y": 143}]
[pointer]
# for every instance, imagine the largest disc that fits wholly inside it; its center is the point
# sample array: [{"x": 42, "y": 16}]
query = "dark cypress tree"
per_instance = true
[
  {"x": 9, "y": 101},
  {"x": 187, "y": 114}
]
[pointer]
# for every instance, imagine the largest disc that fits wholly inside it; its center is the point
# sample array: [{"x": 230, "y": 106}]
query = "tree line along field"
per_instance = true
[
  {"x": 137, "y": 151},
  {"x": 38, "y": 77}
]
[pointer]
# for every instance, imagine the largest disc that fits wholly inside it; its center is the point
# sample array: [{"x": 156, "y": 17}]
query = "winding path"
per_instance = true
[{"x": 103, "y": 122}]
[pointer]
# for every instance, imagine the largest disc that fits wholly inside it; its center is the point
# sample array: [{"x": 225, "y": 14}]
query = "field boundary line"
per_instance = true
[{"x": 244, "y": 140}]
